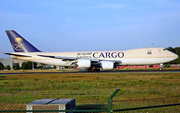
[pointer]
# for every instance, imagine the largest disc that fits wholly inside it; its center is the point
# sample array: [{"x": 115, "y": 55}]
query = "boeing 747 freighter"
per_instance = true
[{"x": 89, "y": 60}]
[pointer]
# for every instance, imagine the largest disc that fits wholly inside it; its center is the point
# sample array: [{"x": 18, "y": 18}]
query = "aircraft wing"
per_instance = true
[
  {"x": 59, "y": 57},
  {"x": 74, "y": 60}
]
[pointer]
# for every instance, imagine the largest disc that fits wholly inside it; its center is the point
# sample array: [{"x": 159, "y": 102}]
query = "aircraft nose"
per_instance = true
[{"x": 176, "y": 56}]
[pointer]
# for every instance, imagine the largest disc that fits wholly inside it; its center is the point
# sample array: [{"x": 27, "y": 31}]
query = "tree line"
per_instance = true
[{"x": 25, "y": 65}]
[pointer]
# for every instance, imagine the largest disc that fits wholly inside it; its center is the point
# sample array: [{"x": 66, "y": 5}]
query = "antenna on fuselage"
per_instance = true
[{"x": 152, "y": 44}]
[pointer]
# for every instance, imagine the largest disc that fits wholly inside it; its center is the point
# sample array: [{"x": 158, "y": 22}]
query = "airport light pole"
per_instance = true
[
  {"x": 32, "y": 65},
  {"x": 11, "y": 63}
]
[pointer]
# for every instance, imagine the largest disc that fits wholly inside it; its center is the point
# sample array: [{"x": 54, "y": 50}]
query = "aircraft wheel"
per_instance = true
[{"x": 160, "y": 69}]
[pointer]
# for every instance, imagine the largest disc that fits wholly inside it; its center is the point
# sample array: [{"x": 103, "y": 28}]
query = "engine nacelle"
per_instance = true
[
  {"x": 107, "y": 65},
  {"x": 83, "y": 63}
]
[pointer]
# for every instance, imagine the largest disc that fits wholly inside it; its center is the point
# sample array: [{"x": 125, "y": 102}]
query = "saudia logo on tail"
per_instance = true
[{"x": 17, "y": 44}]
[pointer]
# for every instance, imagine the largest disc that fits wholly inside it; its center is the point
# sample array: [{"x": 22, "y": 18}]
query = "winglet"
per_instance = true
[{"x": 19, "y": 44}]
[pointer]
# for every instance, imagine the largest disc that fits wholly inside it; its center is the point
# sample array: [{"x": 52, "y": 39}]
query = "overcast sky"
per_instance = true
[{"x": 91, "y": 25}]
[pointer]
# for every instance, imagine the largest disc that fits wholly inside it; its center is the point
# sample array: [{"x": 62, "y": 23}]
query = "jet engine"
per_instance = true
[
  {"x": 84, "y": 63},
  {"x": 107, "y": 65}
]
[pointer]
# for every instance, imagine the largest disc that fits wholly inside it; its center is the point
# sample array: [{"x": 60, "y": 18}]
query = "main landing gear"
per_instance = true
[
  {"x": 92, "y": 70},
  {"x": 161, "y": 66}
]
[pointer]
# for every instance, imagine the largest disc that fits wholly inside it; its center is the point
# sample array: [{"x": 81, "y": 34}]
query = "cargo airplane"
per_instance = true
[{"x": 89, "y": 60}]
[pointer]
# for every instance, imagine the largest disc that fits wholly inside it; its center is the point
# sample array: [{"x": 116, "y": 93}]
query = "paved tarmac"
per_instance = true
[{"x": 104, "y": 71}]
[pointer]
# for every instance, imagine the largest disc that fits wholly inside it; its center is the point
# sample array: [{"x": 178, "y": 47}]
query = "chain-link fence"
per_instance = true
[
  {"x": 85, "y": 99},
  {"x": 144, "y": 100},
  {"x": 148, "y": 100}
]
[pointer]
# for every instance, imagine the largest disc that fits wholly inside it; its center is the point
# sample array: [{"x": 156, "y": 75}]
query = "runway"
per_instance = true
[{"x": 104, "y": 71}]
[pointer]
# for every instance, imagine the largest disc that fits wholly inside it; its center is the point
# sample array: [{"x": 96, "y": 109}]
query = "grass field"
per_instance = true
[
  {"x": 157, "y": 88},
  {"x": 88, "y": 81}
]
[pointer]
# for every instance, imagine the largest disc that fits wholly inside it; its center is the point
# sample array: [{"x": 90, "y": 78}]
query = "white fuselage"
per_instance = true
[{"x": 142, "y": 56}]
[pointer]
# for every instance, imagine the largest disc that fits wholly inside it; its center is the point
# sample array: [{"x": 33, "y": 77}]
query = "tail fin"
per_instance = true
[{"x": 19, "y": 44}]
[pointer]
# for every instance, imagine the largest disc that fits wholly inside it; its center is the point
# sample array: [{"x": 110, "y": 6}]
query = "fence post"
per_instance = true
[{"x": 110, "y": 101}]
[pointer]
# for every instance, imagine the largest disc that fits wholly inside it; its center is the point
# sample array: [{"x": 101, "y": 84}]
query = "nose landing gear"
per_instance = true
[{"x": 161, "y": 66}]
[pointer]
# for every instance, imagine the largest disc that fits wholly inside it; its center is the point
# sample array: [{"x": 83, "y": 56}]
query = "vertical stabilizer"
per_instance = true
[{"x": 19, "y": 44}]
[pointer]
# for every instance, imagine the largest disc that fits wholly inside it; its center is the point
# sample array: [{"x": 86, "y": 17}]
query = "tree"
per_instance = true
[
  {"x": 8, "y": 67},
  {"x": 175, "y": 50},
  {"x": 16, "y": 67},
  {"x": 54, "y": 67},
  {"x": 28, "y": 65},
  {"x": 24, "y": 65},
  {"x": 1, "y": 66}
]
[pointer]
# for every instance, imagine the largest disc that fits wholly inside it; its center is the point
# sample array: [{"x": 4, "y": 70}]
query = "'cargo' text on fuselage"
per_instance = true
[{"x": 108, "y": 55}]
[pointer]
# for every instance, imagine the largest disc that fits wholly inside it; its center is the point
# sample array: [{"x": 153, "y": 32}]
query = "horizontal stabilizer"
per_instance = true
[{"x": 17, "y": 55}]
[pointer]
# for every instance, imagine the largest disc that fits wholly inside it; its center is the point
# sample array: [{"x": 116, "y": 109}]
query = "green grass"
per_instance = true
[
  {"x": 136, "y": 88},
  {"x": 54, "y": 82}
]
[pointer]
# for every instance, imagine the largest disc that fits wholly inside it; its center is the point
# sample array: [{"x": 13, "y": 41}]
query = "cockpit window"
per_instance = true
[
  {"x": 149, "y": 53},
  {"x": 164, "y": 49}
]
